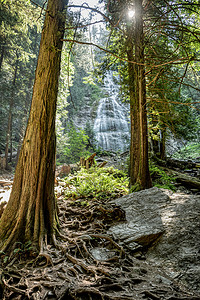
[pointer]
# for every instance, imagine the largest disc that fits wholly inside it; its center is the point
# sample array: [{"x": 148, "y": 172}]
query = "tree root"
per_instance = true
[
  {"x": 70, "y": 270},
  {"x": 48, "y": 258}
]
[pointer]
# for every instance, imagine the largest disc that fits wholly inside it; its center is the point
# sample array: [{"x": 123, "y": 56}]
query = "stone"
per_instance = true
[
  {"x": 63, "y": 170},
  {"x": 102, "y": 254},
  {"x": 165, "y": 227},
  {"x": 144, "y": 224}
]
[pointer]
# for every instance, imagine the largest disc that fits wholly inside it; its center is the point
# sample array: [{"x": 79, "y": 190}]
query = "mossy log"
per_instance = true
[
  {"x": 185, "y": 180},
  {"x": 176, "y": 163}
]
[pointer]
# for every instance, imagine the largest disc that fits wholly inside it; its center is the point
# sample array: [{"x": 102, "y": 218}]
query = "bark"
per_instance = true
[
  {"x": 139, "y": 167},
  {"x": 87, "y": 163},
  {"x": 11, "y": 142},
  {"x": 25, "y": 117},
  {"x": 30, "y": 213}
]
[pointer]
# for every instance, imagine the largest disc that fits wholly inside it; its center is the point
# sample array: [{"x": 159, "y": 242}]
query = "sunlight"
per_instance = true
[{"x": 131, "y": 13}]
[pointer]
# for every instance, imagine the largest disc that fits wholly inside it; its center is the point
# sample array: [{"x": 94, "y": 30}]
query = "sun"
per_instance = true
[{"x": 131, "y": 13}]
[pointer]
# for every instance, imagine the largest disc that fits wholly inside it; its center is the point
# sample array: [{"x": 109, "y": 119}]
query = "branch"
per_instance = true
[
  {"x": 42, "y": 8},
  {"x": 180, "y": 60},
  {"x": 82, "y": 26},
  {"x": 101, "y": 48},
  {"x": 97, "y": 11},
  {"x": 173, "y": 102},
  {"x": 93, "y": 9}
]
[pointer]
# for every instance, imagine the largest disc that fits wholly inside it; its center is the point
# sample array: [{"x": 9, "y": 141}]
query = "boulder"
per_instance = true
[
  {"x": 165, "y": 227},
  {"x": 144, "y": 224},
  {"x": 64, "y": 170}
]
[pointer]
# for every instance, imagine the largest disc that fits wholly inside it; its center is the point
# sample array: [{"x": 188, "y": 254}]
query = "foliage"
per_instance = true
[
  {"x": 160, "y": 177},
  {"x": 20, "y": 28},
  {"x": 171, "y": 63},
  {"x": 190, "y": 151},
  {"x": 84, "y": 86},
  {"x": 73, "y": 144},
  {"x": 97, "y": 183}
]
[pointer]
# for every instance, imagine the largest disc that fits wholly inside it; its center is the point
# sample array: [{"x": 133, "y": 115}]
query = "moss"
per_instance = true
[{"x": 160, "y": 178}]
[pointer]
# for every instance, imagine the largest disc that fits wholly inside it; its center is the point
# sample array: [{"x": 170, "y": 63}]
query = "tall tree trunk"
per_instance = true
[
  {"x": 22, "y": 128},
  {"x": 27, "y": 101},
  {"x": 25, "y": 116},
  {"x": 139, "y": 165},
  {"x": 30, "y": 213},
  {"x": 163, "y": 144},
  {"x": 11, "y": 136},
  {"x": 9, "y": 126},
  {"x": 2, "y": 54}
]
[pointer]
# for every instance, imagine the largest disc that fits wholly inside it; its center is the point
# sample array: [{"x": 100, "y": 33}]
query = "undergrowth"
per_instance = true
[
  {"x": 160, "y": 178},
  {"x": 190, "y": 151},
  {"x": 96, "y": 183}
]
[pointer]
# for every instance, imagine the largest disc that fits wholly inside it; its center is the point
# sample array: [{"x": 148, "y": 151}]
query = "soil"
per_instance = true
[{"x": 86, "y": 263}]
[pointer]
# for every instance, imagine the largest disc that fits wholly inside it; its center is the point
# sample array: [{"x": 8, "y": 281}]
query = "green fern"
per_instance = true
[{"x": 98, "y": 183}]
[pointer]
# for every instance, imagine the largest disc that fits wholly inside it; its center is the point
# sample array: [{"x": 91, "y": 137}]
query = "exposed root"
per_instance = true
[
  {"x": 13, "y": 288},
  {"x": 48, "y": 258},
  {"x": 85, "y": 263}
]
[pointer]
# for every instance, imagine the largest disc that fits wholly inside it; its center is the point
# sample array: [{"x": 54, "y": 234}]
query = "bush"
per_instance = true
[
  {"x": 73, "y": 147},
  {"x": 97, "y": 183}
]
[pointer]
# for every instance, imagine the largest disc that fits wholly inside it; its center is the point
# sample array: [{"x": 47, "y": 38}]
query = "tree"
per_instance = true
[
  {"x": 157, "y": 41},
  {"x": 30, "y": 214},
  {"x": 139, "y": 165}
]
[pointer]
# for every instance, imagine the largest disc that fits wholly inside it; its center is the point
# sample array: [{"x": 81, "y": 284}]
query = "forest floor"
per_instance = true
[{"x": 88, "y": 263}]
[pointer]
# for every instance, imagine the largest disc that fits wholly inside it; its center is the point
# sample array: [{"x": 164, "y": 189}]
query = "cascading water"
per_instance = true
[{"x": 111, "y": 125}]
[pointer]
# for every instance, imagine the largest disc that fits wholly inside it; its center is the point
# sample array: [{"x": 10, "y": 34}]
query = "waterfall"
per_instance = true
[{"x": 111, "y": 127}]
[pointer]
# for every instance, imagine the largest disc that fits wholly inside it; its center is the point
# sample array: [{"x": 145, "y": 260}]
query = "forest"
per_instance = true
[{"x": 99, "y": 102}]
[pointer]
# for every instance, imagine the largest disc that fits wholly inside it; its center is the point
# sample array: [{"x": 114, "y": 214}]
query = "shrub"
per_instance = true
[{"x": 97, "y": 183}]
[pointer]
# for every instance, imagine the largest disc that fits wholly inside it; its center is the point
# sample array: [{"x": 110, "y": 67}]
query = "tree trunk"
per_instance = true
[
  {"x": 11, "y": 142},
  {"x": 163, "y": 144},
  {"x": 30, "y": 213},
  {"x": 25, "y": 116},
  {"x": 139, "y": 166},
  {"x": 2, "y": 54}
]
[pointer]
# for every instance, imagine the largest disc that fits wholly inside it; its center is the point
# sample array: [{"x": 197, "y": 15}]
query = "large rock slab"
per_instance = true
[
  {"x": 171, "y": 217},
  {"x": 178, "y": 250},
  {"x": 144, "y": 224}
]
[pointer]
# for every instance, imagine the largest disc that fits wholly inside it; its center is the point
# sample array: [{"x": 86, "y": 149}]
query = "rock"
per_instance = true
[
  {"x": 64, "y": 170},
  {"x": 102, "y": 254},
  {"x": 144, "y": 224},
  {"x": 171, "y": 217},
  {"x": 178, "y": 250}
]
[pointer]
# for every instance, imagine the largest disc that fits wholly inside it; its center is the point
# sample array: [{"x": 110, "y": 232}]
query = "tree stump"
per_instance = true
[{"x": 87, "y": 163}]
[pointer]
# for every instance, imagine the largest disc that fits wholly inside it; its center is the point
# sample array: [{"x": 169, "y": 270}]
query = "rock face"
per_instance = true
[{"x": 165, "y": 226}]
